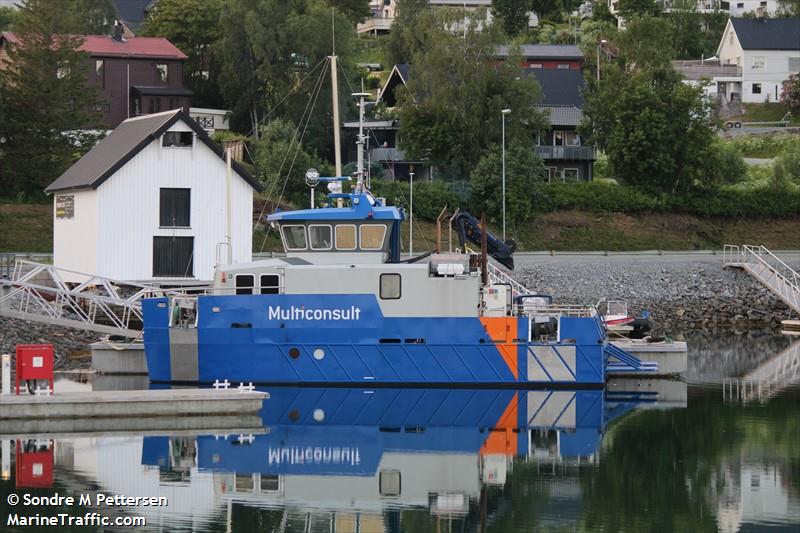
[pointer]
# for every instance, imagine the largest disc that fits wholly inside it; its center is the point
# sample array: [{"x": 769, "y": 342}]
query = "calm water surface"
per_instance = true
[{"x": 712, "y": 453}]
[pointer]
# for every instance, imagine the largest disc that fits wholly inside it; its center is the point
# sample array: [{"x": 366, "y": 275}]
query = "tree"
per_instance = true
[
  {"x": 631, "y": 9},
  {"x": 46, "y": 102},
  {"x": 601, "y": 12},
  {"x": 281, "y": 161},
  {"x": 790, "y": 95},
  {"x": 512, "y": 14},
  {"x": 7, "y": 18},
  {"x": 646, "y": 44},
  {"x": 193, "y": 26},
  {"x": 408, "y": 35},
  {"x": 789, "y": 8},
  {"x": 524, "y": 171},
  {"x": 355, "y": 10},
  {"x": 273, "y": 58},
  {"x": 656, "y": 130},
  {"x": 459, "y": 93},
  {"x": 87, "y": 17}
]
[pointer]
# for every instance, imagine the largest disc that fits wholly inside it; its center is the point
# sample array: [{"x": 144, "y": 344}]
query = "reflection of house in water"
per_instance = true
[{"x": 753, "y": 493}]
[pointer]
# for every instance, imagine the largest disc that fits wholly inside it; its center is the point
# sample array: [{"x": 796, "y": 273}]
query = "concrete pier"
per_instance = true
[
  {"x": 118, "y": 358},
  {"x": 127, "y": 404}
]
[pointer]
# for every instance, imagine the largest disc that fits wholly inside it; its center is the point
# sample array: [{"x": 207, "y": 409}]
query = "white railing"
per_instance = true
[
  {"x": 768, "y": 268},
  {"x": 40, "y": 293},
  {"x": 499, "y": 276},
  {"x": 583, "y": 311}
]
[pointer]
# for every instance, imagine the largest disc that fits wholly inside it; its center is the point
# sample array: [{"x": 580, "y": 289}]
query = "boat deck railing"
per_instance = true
[{"x": 552, "y": 310}]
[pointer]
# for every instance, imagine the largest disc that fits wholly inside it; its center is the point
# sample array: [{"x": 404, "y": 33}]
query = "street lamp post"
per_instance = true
[
  {"x": 599, "y": 46},
  {"x": 411, "y": 215},
  {"x": 503, "y": 114}
]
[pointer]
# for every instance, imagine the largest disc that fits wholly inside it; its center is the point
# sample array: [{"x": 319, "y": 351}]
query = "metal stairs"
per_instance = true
[
  {"x": 500, "y": 276},
  {"x": 769, "y": 269},
  {"x": 38, "y": 293},
  {"x": 626, "y": 362}
]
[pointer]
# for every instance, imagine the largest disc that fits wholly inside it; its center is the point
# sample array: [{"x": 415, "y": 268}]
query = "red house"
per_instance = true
[
  {"x": 546, "y": 56},
  {"x": 135, "y": 75}
]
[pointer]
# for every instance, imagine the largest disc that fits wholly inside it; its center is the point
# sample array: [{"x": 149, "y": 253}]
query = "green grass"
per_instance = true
[
  {"x": 26, "y": 227},
  {"x": 29, "y": 228},
  {"x": 766, "y": 112},
  {"x": 765, "y": 146}
]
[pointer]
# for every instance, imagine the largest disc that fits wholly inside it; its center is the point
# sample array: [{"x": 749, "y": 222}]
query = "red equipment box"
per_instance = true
[
  {"x": 34, "y": 464},
  {"x": 34, "y": 361}
]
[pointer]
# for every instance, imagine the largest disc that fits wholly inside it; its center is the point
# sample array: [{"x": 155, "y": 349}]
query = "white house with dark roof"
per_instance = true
[
  {"x": 150, "y": 203},
  {"x": 766, "y": 50}
]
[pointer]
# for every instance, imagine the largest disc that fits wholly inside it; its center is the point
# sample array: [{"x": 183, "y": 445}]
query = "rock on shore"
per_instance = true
[
  {"x": 71, "y": 346},
  {"x": 679, "y": 295}
]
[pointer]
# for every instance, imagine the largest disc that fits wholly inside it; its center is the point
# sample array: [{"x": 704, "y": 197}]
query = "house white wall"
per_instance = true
[
  {"x": 767, "y": 68},
  {"x": 730, "y": 49},
  {"x": 75, "y": 239},
  {"x": 740, "y": 7},
  {"x": 128, "y": 210}
]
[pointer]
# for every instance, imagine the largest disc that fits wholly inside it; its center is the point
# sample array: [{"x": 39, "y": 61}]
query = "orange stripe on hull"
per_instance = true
[
  {"x": 502, "y": 439},
  {"x": 503, "y": 331}
]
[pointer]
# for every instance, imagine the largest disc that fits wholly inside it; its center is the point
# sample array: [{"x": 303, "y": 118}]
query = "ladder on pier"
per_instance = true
[
  {"x": 769, "y": 269},
  {"x": 39, "y": 293}
]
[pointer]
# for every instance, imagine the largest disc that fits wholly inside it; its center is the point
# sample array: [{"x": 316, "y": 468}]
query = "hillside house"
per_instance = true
[
  {"x": 754, "y": 58},
  {"x": 135, "y": 76},
  {"x": 149, "y": 203}
]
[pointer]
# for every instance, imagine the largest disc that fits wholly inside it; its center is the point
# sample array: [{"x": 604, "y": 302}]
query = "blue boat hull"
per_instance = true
[{"x": 332, "y": 339}]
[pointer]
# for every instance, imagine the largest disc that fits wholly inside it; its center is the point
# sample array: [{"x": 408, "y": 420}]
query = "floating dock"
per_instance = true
[
  {"x": 671, "y": 356},
  {"x": 130, "y": 404}
]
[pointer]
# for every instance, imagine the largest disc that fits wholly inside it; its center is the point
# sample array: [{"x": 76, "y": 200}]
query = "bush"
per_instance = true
[{"x": 429, "y": 196}]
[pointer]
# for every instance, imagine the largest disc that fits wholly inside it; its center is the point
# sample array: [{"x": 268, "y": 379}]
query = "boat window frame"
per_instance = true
[
  {"x": 261, "y": 285},
  {"x": 399, "y": 286},
  {"x": 361, "y": 238},
  {"x": 355, "y": 237},
  {"x": 286, "y": 241},
  {"x": 311, "y": 245},
  {"x": 236, "y": 284}
]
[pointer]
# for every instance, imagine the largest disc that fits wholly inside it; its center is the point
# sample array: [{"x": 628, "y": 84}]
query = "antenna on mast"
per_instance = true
[
  {"x": 361, "y": 141},
  {"x": 337, "y": 142}
]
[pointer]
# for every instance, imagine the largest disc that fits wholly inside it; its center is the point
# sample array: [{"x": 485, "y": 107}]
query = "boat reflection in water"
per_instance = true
[{"x": 354, "y": 454}]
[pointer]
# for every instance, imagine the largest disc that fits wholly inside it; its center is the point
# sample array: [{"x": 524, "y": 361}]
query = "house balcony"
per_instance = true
[
  {"x": 376, "y": 25},
  {"x": 387, "y": 155},
  {"x": 566, "y": 153}
]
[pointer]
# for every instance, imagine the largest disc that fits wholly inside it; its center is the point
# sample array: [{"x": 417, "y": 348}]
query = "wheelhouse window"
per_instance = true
[
  {"x": 245, "y": 283},
  {"x": 372, "y": 236},
  {"x": 294, "y": 237},
  {"x": 174, "y": 208},
  {"x": 270, "y": 284},
  {"x": 390, "y": 288},
  {"x": 345, "y": 237},
  {"x": 177, "y": 139},
  {"x": 319, "y": 235}
]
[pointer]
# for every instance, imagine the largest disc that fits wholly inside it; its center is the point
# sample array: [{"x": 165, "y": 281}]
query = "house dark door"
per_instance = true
[{"x": 173, "y": 257}]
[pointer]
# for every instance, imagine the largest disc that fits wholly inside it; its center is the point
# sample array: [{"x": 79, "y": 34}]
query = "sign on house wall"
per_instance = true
[{"x": 65, "y": 206}]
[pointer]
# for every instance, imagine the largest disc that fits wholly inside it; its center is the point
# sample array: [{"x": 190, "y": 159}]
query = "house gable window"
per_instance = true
[
  {"x": 174, "y": 208},
  {"x": 756, "y": 88},
  {"x": 177, "y": 139},
  {"x": 759, "y": 62},
  {"x": 100, "y": 72},
  {"x": 162, "y": 72}
]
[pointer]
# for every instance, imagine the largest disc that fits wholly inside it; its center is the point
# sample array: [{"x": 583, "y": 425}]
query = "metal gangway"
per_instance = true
[
  {"x": 41, "y": 293},
  {"x": 769, "y": 269},
  {"x": 767, "y": 380}
]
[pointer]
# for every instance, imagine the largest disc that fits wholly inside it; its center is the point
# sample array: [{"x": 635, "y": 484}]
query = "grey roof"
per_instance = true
[
  {"x": 768, "y": 34},
  {"x": 401, "y": 73},
  {"x": 544, "y": 51},
  {"x": 562, "y": 115},
  {"x": 122, "y": 144},
  {"x": 559, "y": 86}
]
